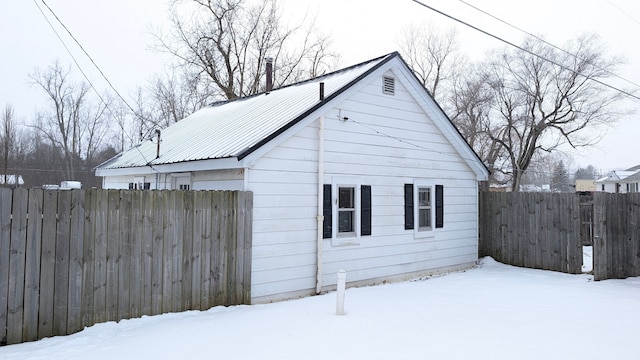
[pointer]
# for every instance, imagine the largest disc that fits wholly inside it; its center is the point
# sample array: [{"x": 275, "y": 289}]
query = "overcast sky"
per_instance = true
[{"x": 116, "y": 34}]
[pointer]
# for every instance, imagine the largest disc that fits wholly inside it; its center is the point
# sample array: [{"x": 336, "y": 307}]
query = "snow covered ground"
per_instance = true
[{"x": 494, "y": 311}]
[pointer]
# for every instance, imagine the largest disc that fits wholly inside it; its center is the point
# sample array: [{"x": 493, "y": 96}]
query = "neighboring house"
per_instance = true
[
  {"x": 12, "y": 181},
  {"x": 585, "y": 186},
  {"x": 359, "y": 170},
  {"x": 620, "y": 181}
]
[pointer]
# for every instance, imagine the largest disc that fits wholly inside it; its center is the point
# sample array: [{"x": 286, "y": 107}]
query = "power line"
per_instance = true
[
  {"x": 84, "y": 74},
  {"x": 624, "y": 12},
  {"x": 526, "y": 50},
  {"x": 548, "y": 43}
]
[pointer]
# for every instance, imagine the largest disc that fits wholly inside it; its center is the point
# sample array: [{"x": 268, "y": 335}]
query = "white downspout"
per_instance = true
[{"x": 320, "y": 216}]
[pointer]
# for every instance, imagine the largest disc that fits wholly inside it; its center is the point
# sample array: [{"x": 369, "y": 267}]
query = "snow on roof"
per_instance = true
[
  {"x": 620, "y": 175},
  {"x": 234, "y": 128}
]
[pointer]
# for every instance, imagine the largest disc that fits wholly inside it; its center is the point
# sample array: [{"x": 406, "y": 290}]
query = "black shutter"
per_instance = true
[
  {"x": 326, "y": 212},
  {"x": 439, "y": 206},
  {"x": 408, "y": 206},
  {"x": 365, "y": 210}
]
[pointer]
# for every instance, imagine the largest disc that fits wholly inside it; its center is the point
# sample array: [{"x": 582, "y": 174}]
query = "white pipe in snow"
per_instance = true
[
  {"x": 342, "y": 279},
  {"x": 320, "y": 217}
]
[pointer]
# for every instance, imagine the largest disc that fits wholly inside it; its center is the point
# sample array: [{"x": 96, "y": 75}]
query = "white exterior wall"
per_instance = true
[
  {"x": 227, "y": 179},
  {"x": 122, "y": 182},
  {"x": 379, "y": 146}
]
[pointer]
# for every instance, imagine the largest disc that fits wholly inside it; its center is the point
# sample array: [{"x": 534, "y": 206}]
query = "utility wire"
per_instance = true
[
  {"x": 624, "y": 12},
  {"x": 85, "y": 75},
  {"x": 378, "y": 132},
  {"x": 87, "y": 54},
  {"x": 548, "y": 43},
  {"x": 525, "y": 50}
]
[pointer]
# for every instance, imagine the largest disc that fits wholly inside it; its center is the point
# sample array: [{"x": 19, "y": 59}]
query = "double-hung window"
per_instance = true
[
  {"x": 346, "y": 212},
  {"x": 423, "y": 208}
]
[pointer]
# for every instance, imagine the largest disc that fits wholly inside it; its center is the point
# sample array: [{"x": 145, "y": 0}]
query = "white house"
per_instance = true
[
  {"x": 620, "y": 181},
  {"x": 359, "y": 170}
]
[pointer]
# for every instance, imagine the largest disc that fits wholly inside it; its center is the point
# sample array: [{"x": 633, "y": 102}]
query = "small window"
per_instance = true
[
  {"x": 139, "y": 186},
  {"x": 428, "y": 210},
  {"x": 184, "y": 186},
  {"x": 346, "y": 210},
  {"x": 353, "y": 206},
  {"x": 424, "y": 208},
  {"x": 388, "y": 85}
]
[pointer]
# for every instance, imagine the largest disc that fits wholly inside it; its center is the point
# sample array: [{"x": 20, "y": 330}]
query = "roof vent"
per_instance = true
[{"x": 388, "y": 85}]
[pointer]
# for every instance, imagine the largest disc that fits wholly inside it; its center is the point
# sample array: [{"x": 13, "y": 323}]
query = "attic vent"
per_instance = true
[{"x": 388, "y": 85}]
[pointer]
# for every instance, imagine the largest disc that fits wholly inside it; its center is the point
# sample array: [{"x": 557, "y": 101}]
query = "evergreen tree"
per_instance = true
[
  {"x": 588, "y": 173},
  {"x": 560, "y": 178}
]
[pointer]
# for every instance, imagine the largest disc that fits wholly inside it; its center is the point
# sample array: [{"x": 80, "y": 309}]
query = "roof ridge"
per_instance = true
[{"x": 335, "y": 72}]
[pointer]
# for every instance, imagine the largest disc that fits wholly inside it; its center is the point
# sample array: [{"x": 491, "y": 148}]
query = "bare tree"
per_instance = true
[
  {"x": 72, "y": 124},
  {"x": 8, "y": 139},
  {"x": 543, "y": 102},
  {"x": 470, "y": 106},
  {"x": 433, "y": 56},
  {"x": 222, "y": 47},
  {"x": 167, "y": 100}
]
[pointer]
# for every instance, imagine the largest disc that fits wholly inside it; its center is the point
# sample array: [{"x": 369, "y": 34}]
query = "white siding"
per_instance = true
[
  {"x": 386, "y": 142},
  {"x": 122, "y": 182},
  {"x": 228, "y": 179},
  {"x": 231, "y": 179}
]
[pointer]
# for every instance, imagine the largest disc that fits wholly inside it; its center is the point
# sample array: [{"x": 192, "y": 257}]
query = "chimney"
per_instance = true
[
  {"x": 269, "y": 71},
  {"x": 321, "y": 91}
]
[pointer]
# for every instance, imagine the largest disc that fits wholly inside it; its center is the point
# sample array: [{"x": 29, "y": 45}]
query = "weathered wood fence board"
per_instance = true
[
  {"x": 70, "y": 259},
  {"x": 616, "y": 248},
  {"x": 5, "y": 250},
  {"x": 534, "y": 230}
]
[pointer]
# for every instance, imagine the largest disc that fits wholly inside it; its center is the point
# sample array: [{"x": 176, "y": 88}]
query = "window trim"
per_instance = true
[
  {"x": 411, "y": 206},
  {"x": 350, "y": 238},
  {"x": 353, "y": 210},
  {"x": 417, "y": 231},
  {"x": 429, "y": 207}
]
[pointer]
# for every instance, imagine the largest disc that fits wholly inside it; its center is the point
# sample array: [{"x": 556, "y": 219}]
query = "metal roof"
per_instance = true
[{"x": 236, "y": 128}]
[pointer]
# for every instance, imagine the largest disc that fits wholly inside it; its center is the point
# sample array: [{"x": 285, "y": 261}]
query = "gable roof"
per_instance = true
[
  {"x": 620, "y": 175},
  {"x": 237, "y": 128}
]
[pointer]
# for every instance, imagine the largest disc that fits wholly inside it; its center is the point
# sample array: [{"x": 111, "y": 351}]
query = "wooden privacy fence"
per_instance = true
[
  {"x": 70, "y": 259},
  {"x": 616, "y": 248},
  {"x": 533, "y": 230}
]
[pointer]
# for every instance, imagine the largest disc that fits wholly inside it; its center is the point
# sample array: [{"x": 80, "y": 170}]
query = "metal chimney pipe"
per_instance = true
[
  {"x": 158, "y": 149},
  {"x": 269, "y": 71},
  {"x": 321, "y": 91}
]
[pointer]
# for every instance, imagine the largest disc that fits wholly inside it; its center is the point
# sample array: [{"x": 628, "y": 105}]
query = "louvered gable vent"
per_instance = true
[{"x": 388, "y": 85}]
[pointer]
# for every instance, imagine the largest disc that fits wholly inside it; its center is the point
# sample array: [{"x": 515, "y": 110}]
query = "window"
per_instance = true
[
  {"x": 346, "y": 210},
  {"x": 352, "y": 205},
  {"x": 429, "y": 209},
  {"x": 424, "y": 208},
  {"x": 182, "y": 182},
  {"x": 139, "y": 184}
]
